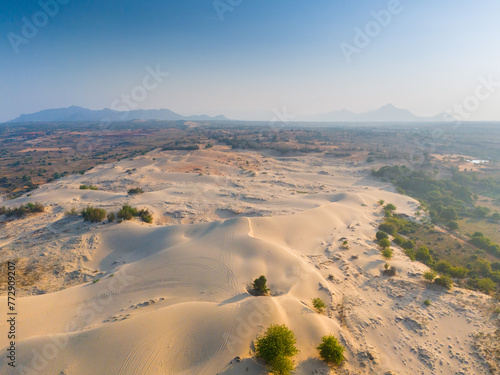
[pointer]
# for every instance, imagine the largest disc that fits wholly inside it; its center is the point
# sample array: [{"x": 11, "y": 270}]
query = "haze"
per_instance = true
[{"x": 252, "y": 60}]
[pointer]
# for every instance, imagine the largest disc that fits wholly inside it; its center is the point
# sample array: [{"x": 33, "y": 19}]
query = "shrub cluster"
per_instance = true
[
  {"x": 28, "y": 208},
  {"x": 128, "y": 213},
  {"x": 94, "y": 215},
  {"x": 88, "y": 187},
  {"x": 133, "y": 191}
]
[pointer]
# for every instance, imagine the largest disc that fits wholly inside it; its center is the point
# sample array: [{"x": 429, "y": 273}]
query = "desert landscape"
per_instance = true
[
  {"x": 174, "y": 296},
  {"x": 229, "y": 187}
]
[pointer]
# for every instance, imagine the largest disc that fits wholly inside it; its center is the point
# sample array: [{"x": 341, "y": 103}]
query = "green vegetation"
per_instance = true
[
  {"x": 384, "y": 243},
  {"x": 345, "y": 245},
  {"x": 134, "y": 191},
  {"x": 277, "y": 348},
  {"x": 430, "y": 276},
  {"x": 94, "y": 215},
  {"x": 445, "y": 281},
  {"x": 88, "y": 187},
  {"x": 444, "y": 254},
  {"x": 28, "y": 208},
  {"x": 128, "y": 213},
  {"x": 427, "y": 302},
  {"x": 486, "y": 285},
  {"x": 260, "y": 286},
  {"x": 111, "y": 217},
  {"x": 330, "y": 350},
  {"x": 387, "y": 253},
  {"x": 381, "y": 235},
  {"x": 319, "y": 304}
]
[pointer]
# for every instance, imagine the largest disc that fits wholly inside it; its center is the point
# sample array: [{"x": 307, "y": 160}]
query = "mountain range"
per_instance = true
[
  {"x": 387, "y": 113},
  {"x": 75, "y": 113}
]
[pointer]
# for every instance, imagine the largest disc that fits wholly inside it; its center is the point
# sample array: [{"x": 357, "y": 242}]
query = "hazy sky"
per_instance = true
[{"x": 252, "y": 58}]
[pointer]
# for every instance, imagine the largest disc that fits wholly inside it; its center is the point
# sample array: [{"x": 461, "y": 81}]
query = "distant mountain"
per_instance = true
[
  {"x": 75, "y": 113},
  {"x": 387, "y": 113}
]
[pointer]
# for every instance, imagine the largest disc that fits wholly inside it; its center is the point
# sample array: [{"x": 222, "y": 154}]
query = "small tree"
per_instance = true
[
  {"x": 277, "y": 348},
  {"x": 430, "y": 276},
  {"x": 384, "y": 243},
  {"x": 319, "y": 304},
  {"x": 330, "y": 350},
  {"x": 260, "y": 285}
]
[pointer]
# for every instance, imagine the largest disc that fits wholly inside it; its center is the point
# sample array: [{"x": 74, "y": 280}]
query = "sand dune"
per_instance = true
[{"x": 173, "y": 299}]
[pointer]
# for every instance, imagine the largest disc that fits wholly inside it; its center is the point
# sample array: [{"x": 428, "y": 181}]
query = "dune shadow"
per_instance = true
[
  {"x": 313, "y": 366},
  {"x": 246, "y": 366},
  {"x": 234, "y": 299}
]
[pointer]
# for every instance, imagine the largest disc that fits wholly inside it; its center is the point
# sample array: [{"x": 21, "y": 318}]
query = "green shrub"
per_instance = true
[
  {"x": 93, "y": 214},
  {"x": 427, "y": 302},
  {"x": 486, "y": 285},
  {"x": 28, "y": 208},
  {"x": 443, "y": 267},
  {"x": 381, "y": 235},
  {"x": 390, "y": 228},
  {"x": 459, "y": 272},
  {"x": 319, "y": 304},
  {"x": 127, "y": 213},
  {"x": 445, "y": 281},
  {"x": 390, "y": 207},
  {"x": 423, "y": 255},
  {"x": 145, "y": 215},
  {"x": 111, "y": 217},
  {"x": 330, "y": 350},
  {"x": 384, "y": 243},
  {"x": 277, "y": 347},
  {"x": 381, "y": 202},
  {"x": 87, "y": 187},
  {"x": 387, "y": 253},
  {"x": 430, "y": 276},
  {"x": 260, "y": 286},
  {"x": 135, "y": 191}
]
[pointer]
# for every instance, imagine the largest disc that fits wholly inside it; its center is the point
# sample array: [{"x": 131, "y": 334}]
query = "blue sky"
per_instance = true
[{"x": 264, "y": 56}]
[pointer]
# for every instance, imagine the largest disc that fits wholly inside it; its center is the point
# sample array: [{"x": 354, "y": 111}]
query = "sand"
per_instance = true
[{"x": 172, "y": 296}]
